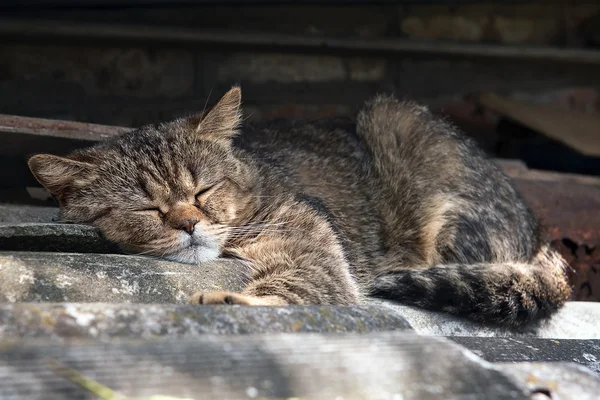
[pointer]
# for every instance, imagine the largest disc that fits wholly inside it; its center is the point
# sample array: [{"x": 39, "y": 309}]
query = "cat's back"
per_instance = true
[
  {"x": 326, "y": 162},
  {"x": 315, "y": 155},
  {"x": 332, "y": 140}
]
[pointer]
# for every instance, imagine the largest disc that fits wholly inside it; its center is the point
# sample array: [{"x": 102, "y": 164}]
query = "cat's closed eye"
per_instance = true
[
  {"x": 207, "y": 190},
  {"x": 155, "y": 210},
  {"x": 204, "y": 191}
]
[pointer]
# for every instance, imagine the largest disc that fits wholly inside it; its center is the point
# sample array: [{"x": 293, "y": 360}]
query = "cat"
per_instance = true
[{"x": 396, "y": 203}]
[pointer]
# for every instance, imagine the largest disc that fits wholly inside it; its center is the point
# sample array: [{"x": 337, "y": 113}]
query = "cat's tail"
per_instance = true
[{"x": 511, "y": 294}]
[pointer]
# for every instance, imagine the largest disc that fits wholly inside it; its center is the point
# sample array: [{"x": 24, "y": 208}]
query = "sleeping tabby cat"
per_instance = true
[{"x": 397, "y": 205}]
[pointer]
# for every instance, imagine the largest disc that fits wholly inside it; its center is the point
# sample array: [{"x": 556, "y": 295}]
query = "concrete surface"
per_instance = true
[
  {"x": 133, "y": 321},
  {"x": 583, "y": 352},
  {"x": 54, "y": 237},
  {"x": 110, "y": 278},
  {"x": 562, "y": 380},
  {"x": 577, "y": 320},
  {"x": 397, "y": 365},
  {"x": 18, "y": 213}
]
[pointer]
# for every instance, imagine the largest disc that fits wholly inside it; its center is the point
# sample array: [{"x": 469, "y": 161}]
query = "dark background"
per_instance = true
[{"x": 133, "y": 62}]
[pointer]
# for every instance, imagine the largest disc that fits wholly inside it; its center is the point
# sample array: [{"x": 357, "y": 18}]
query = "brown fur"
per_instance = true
[{"x": 398, "y": 205}]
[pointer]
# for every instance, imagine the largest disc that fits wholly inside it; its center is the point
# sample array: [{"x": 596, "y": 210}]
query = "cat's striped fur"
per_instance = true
[{"x": 397, "y": 204}]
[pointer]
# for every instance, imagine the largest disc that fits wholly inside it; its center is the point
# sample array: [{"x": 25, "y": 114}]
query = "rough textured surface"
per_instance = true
[
  {"x": 97, "y": 81},
  {"x": 379, "y": 366},
  {"x": 577, "y": 320},
  {"x": 53, "y": 237},
  {"x": 137, "y": 320},
  {"x": 468, "y": 22},
  {"x": 585, "y": 352},
  {"x": 563, "y": 381},
  {"x": 104, "y": 278},
  {"x": 19, "y": 213},
  {"x": 117, "y": 71},
  {"x": 107, "y": 278},
  {"x": 106, "y": 321},
  {"x": 261, "y": 68},
  {"x": 397, "y": 365}
]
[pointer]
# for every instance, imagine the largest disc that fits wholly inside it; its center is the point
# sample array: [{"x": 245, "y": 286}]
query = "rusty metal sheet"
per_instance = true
[{"x": 569, "y": 210}]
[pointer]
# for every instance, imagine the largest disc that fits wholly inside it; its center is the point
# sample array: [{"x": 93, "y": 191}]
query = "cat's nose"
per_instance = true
[{"x": 187, "y": 225}]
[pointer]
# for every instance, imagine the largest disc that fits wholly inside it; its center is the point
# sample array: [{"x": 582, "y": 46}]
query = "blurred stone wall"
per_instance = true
[{"x": 130, "y": 83}]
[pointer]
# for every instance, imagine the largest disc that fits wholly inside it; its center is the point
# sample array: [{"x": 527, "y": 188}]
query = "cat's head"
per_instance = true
[{"x": 171, "y": 190}]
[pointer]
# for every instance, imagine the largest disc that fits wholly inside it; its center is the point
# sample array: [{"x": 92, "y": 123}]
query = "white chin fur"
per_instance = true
[
  {"x": 194, "y": 254},
  {"x": 196, "y": 249}
]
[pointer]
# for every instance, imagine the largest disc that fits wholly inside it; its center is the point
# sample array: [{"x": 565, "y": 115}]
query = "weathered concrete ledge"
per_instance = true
[
  {"x": 110, "y": 278},
  {"x": 496, "y": 349},
  {"x": 33, "y": 228},
  {"x": 103, "y": 278},
  {"x": 111, "y": 321},
  {"x": 562, "y": 380},
  {"x": 54, "y": 237},
  {"x": 19, "y": 213},
  {"x": 104, "y": 320},
  {"x": 393, "y": 365},
  {"x": 576, "y": 320}
]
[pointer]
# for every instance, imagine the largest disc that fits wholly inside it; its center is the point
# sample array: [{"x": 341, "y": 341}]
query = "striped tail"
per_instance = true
[{"x": 511, "y": 294}]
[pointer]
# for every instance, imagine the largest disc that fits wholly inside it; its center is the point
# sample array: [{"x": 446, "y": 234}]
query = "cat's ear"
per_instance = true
[
  {"x": 60, "y": 174},
  {"x": 223, "y": 120}
]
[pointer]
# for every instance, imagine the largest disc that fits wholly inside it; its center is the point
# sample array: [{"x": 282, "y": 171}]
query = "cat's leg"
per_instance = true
[
  {"x": 287, "y": 272},
  {"x": 305, "y": 264}
]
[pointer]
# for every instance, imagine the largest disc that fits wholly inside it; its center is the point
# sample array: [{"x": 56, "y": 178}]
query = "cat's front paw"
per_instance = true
[
  {"x": 221, "y": 298},
  {"x": 232, "y": 299}
]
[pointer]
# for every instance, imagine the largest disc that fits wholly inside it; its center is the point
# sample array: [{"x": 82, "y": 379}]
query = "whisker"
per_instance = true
[
  {"x": 248, "y": 116},
  {"x": 142, "y": 253},
  {"x": 260, "y": 229},
  {"x": 205, "y": 104}
]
